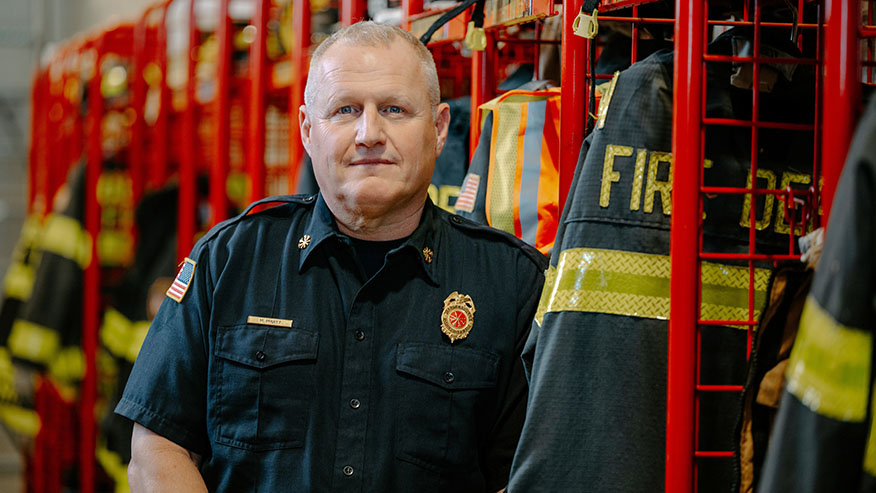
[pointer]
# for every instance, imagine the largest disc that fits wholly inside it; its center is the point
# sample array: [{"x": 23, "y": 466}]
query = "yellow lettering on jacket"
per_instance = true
[
  {"x": 609, "y": 175},
  {"x": 638, "y": 178},
  {"x": 441, "y": 196},
  {"x": 768, "y": 200},
  {"x": 654, "y": 185}
]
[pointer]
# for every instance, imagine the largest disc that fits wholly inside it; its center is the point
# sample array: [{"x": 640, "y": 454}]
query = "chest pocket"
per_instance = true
[
  {"x": 263, "y": 378},
  {"x": 445, "y": 403}
]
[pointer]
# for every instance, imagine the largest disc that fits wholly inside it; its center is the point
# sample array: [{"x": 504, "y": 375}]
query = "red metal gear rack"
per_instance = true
[
  {"x": 301, "y": 22},
  {"x": 117, "y": 41},
  {"x": 837, "y": 39}
]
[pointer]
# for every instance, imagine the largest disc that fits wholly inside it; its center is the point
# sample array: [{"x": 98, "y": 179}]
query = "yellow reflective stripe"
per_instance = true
[
  {"x": 33, "y": 342},
  {"x": 111, "y": 462},
  {"x": 503, "y": 167},
  {"x": 19, "y": 419},
  {"x": 19, "y": 281},
  {"x": 7, "y": 378},
  {"x": 138, "y": 335},
  {"x": 829, "y": 367},
  {"x": 114, "y": 333},
  {"x": 68, "y": 366},
  {"x": 637, "y": 284},
  {"x": 114, "y": 248},
  {"x": 64, "y": 236},
  {"x": 870, "y": 452},
  {"x": 122, "y": 337},
  {"x": 550, "y": 278}
]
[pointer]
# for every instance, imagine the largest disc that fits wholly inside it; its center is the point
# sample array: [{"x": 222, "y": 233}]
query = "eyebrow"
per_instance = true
[{"x": 342, "y": 98}]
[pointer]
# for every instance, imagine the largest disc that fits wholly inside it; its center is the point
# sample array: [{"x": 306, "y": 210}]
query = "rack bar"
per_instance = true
[
  {"x": 684, "y": 230},
  {"x": 760, "y": 59},
  {"x": 573, "y": 58},
  {"x": 91, "y": 275},
  {"x": 353, "y": 11},
  {"x": 300, "y": 62},
  {"x": 841, "y": 82},
  {"x": 187, "y": 175},
  {"x": 719, "y": 388},
  {"x": 758, "y": 124},
  {"x": 258, "y": 68},
  {"x": 222, "y": 121}
]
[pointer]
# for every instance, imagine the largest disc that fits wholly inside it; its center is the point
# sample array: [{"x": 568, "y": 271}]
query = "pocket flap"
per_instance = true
[
  {"x": 449, "y": 367},
  {"x": 261, "y": 347}
]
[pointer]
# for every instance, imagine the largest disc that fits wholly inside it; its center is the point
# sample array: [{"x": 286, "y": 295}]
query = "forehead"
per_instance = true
[{"x": 385, "y": 67}]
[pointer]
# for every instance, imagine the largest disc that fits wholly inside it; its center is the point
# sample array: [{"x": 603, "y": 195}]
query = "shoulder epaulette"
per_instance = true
[
  {"x": 468, "y": 225},
  {"x": 256, "y": 207}
]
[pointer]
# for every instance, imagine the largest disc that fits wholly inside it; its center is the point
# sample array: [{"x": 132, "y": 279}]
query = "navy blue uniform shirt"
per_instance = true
[{"x": 288, "y": 370}]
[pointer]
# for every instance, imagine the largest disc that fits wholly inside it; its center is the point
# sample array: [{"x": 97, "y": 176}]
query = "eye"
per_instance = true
[
  {"x": 345, "y": 110},
  {"x": 395, "y": 109}
]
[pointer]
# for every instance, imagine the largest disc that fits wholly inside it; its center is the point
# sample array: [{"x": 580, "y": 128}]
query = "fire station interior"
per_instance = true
[{"x": 129, "y": 128}]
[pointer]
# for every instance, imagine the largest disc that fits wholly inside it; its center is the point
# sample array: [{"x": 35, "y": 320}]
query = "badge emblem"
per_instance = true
[
  {"x": 457, "y": 318},
  {"x": 428, "y": 255},
  {"x": 303, "y": 242}
]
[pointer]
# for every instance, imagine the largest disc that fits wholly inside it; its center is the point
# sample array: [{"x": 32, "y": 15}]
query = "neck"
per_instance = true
[{"x": 378, "y": 227}]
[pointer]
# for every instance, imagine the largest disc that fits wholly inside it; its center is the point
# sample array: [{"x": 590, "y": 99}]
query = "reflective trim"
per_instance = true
[
  {"x": 550, "y": 277},
  {"x": 114, "y": 248},
  {"x": 122, "y": 337},
  {"x": 19, "y": 419},
  {"x": 64, "y": 236},
  {"x": 7, "y": 378},
  {"x": 829, "y": 368},
  {"x": 114, "y": 332},
  {"x": 111, "y": 462},
  {"x": 68, "y": 366},
  {"x": 870, "y": 452},
  {"x": 33, "y": 342},
  {"x": 530, "y": 170},
  {"x": 137, "y": 335},
  {"x": 637, "y": 285},
  {"x": 19, "y": 281}
]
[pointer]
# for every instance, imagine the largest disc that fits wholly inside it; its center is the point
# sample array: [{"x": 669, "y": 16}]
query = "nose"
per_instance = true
[{"x": 369, "y": 128}]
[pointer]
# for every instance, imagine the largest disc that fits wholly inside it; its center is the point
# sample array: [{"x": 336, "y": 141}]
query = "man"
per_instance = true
[{"x": 357, "y": 340}]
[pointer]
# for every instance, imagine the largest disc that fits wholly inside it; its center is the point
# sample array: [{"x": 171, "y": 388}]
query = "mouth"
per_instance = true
[{"x": 370, "y": 162}]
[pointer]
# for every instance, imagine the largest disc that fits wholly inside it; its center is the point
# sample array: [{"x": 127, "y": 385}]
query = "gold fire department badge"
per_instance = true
[{"x": 458, "y": 316}]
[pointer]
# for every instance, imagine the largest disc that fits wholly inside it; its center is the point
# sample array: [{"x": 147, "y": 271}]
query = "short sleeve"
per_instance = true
[{"x": 166, "y": 391}]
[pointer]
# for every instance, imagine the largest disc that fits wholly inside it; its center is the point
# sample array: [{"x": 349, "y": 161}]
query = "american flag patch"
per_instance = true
[
  {"x": 465, "y": 201},
  {"x": 183, "y": 280}
]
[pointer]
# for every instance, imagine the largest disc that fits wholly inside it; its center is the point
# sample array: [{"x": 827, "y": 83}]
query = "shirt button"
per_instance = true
[
  {"x": 360, "y": 336},
  {"x": 449, "y": 377},
  {"x": 260, "y": 355},
  {"x": 354, "y": 403},
  {"x": 348, "y": 470}
]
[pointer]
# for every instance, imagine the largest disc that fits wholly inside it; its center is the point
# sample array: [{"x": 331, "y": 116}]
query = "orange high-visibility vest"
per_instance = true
[{"x": 513, "y": 179}]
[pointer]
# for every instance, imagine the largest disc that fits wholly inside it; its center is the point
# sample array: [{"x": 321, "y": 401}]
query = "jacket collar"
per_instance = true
[{"x": 423, "y": 242}]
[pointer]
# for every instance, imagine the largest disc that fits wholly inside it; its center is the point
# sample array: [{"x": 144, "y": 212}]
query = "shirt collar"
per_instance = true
[{"x": 423, "y": 242}]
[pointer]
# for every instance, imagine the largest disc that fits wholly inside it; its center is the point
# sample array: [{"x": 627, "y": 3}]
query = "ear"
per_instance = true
[
  {"x": 304, "y": 126},
  {"x": 442, "y": 125}
]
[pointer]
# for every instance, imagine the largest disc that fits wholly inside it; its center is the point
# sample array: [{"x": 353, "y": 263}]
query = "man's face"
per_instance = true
[{"x": 371, "y": 132}]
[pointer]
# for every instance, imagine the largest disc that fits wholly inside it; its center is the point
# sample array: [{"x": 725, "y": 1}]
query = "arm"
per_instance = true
[{"x": 157, "y": 464}]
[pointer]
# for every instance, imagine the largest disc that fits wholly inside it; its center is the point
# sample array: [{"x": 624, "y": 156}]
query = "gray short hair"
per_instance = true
[{"x": 370, "y": 33}]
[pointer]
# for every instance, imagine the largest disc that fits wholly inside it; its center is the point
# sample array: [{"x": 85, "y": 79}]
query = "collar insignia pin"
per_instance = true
[
  {"x": 303, "y": 242},
  {"x": 457, "y": 318},
  {"x": 428, "y": 255}
]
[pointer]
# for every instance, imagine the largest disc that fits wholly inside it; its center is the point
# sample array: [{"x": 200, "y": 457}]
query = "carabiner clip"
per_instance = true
[
  {"x": 475, "y": 38},
  {"x": 586, "y": 25}
]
